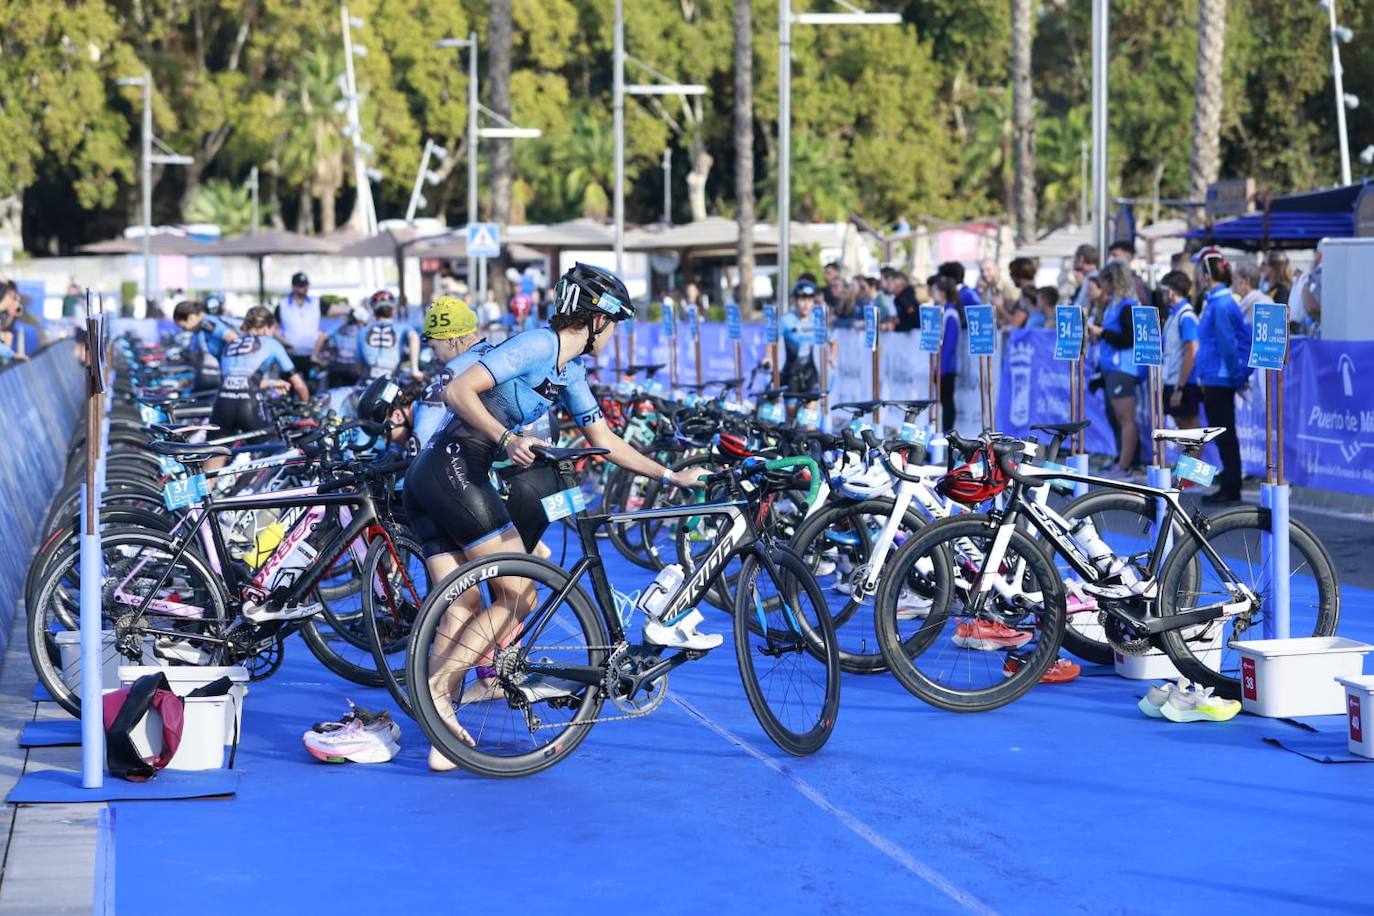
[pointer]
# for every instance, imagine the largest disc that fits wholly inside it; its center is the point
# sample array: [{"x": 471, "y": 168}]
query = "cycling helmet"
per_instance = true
[
  {"x": 382, "y": 298},
  {"x": 359, "y": 313},
  {"x": 380, "y": 398},
  {"x": 585, "y": 288},
  {"x": 214, "y": 304},
  {"x": 804, "y": 288},
  {"x": 856, "y": 481},
  {"x": 973, "y": 483}
]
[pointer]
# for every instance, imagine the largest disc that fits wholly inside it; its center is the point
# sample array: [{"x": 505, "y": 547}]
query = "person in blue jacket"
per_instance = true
[
  {"x": 944, "y": 292},
  {"x": 1115, "y": 338},
  {"x": 1222, "y": 366}
]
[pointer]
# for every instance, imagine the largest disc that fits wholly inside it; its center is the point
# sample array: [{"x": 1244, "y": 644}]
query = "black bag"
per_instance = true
[{"x": 125, "y": 708}]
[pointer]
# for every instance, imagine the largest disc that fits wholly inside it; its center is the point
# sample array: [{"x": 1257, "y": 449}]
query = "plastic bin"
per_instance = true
[
  {"x": 185, "y": 678},
  {"x": 1155, "y": 665},
  {"x": 201, "y": 748},
  {"x": 1283, "y": 678},
  {"x": 69, "y": 651},
  {"x": 1359, "y": 710}
]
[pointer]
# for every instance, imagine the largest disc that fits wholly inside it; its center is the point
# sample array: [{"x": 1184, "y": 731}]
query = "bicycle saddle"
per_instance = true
[
  {"x": 858, "y": 406},
  {"x": 549, "y": 453},
  {"x": 1198, "y": 436},
  {"x": 1063, "y": 429},
  {"x": 188, "y": 451}
]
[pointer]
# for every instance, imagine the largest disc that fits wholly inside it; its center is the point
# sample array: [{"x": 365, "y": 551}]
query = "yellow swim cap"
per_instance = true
[{"x": 449, "y": 317}]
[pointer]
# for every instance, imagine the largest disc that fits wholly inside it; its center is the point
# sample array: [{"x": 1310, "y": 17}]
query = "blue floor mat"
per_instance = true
[
  {"x": 64, "y": 787},
  {"x": 40, "y": 694},
  {"x": 51, "y": 733},
  {"x": 1322, "y": 747},
  {"x": 1058, "y": 802}
]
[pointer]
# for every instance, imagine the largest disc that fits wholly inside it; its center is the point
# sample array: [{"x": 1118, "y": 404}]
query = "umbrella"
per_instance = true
[
  {"x": 159, "y": 244},
  {"x": 261, "y": 244}
]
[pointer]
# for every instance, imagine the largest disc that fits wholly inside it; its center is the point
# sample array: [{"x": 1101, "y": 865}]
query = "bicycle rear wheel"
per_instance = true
[
  {"x": 1204, "y": 653},
  {"x": 468, "y": 670},
  {"x": 958, "y": 654},
  {"x": 787, "y": 652}
]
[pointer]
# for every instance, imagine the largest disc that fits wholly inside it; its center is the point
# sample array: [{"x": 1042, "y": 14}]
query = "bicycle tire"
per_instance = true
[
  {"x": 806, "y": 730},
  {"x": 1175, "y": 596},
  {"x": 902, "y": 653},
  {"x": 590, "y": 629},
  {"x": 396, "y": 614}
]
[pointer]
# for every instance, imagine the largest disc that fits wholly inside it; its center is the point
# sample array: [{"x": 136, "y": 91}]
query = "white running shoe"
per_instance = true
[
  {"x": 171, "y": 649},
  {"x": 258, "y": 613},
  {"x": 911, "y": 606},
  {"x": 353, "y": 743},
  {"x": 681, "y": 633}
]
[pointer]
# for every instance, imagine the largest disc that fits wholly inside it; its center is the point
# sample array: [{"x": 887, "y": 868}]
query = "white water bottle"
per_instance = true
[{"x": 661, "y": 591}]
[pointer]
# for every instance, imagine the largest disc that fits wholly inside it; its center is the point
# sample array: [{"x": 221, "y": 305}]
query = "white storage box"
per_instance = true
[
  {"x": 1282, "y": 678},
  {"x": 202, "y": 746},
  {"x": 1359, "y": 711},
  {"x": 69, "y": 651},
  {"x": 185, "y": 678},
  {"x": 1155, "y": 665}
]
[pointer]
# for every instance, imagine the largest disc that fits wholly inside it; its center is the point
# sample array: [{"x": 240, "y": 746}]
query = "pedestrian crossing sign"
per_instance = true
[{"x": 484, "y": 240}]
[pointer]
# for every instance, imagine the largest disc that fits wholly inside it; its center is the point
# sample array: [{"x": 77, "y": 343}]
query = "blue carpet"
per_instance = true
[
  {"x": 40, "y": 694},
  {"x": 51, "y": 733},
  {"x": 64, "y": 786},
  {"x": 1323, "y": 748},
  {"x": 1067, "y": 800}
]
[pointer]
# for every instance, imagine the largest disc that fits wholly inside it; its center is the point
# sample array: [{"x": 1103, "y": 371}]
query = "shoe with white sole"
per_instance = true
[
  {"x": 1156, "y": 696},
  {"x": 911, "y": 606},
  {"x": 372, "y": 721},
  {"x": 262, "y": 613},
  {"x": 351, "y": 743},
  {"x": 1198, "y": 705},
  {"x": 681, "y": 633}
]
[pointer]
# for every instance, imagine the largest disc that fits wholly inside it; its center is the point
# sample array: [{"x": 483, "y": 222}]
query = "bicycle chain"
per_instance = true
[{"x": 614, "y": 653}]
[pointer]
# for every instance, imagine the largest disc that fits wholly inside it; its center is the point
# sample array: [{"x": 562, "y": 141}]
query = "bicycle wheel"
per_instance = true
[
  {"x": 785, "y": 645},
  {"x": 957, "y": 653},
  {"x": 186, "y": 607},
  {"x": 837, "y": 546},
  {"x": 397, "y": 582},
  {"x": 626, "y": 492},
  {"x": 1127, "y": 523},
  {"x": 659, "y": 535},
  {"x": 1204, "y": 653},
  {"x": 468, "y": 666}
]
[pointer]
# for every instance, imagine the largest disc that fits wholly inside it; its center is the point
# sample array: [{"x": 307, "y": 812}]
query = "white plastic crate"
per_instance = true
[
  {"x": 1282, "y": 678},
  {"x": 202, "y": 745},
  {"x": 1155, "y": 665},
  {"x": 185, "y": 678},
  {"x": 69, "y": 652},
  {"x": 1359, "y": 711}
]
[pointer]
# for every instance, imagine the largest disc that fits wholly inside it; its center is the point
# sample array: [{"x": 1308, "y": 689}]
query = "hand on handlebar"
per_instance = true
[{"x": 690, "y": 478}]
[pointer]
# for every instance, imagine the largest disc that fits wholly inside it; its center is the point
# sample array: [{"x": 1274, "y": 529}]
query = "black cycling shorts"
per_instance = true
[
  {"x": 237, "y": 415},
  {"x": 452, "y": 503},
  {"x": 1119, "y": 384}
]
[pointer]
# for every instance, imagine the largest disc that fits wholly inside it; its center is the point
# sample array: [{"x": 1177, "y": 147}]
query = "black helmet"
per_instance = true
[
  {"x": 585, "y": 288},
  {"x": 804, "y": 288},
  {"x": 379, "y": 399}
]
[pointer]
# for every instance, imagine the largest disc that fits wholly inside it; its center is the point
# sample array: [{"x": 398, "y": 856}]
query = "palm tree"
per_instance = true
[
  {"x": 1211, "y": 48},
  {"x": 314, "y": 154},
  {"x": 823, "y": 185},
  {"x": 584, "y": 159},
  {"x": 500, "y": 37},
  {"x": 1023, "y": 118},
  {"x": 987, "y": 150},
  {"x": 220, "y": 201},
  {"x": 1058, "y": 145},
  {"x": 744, "y": 151}
]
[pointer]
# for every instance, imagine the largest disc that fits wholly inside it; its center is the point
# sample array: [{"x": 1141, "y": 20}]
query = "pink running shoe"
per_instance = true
[
  {"x": 988, "y": 636},
  {"x": 353, "y": 743}
]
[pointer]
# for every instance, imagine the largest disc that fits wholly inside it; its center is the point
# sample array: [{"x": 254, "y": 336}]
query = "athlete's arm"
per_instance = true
[
  {"x": 462, "y": 396},
  {"x": 599, "y": 435},
  {"x": 298, "y": 388}
]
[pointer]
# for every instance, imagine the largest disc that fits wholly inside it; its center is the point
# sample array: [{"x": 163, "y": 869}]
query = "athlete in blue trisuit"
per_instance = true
[
  {"x": 210, "y": 334},
  {"x": 452, "y": 505},
  {"x": 339, "y": 351},
  {"x": 382, "y": 342},
  {"x": 254, "y": 363},
  {"x": 799, "y": 371}
]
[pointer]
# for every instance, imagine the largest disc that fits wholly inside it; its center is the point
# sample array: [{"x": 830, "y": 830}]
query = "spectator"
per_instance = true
[
  {"x": 1046, "y": 299},
  {"x": 1179, "y": 261},
  {"x": 298, "y": 323},
  {"x": 1223, "y": 355},
  {"x": 490, "y": 316},
  {"x": 1002, "y": 295},
  {"x": 1247, "y": 290},
  {"x": 1123, "y": 252},
  {"x": 1182, "y": 394},
  {"x": 1085, "y": 262},
  {"x": 944, "y": 292},
  {"x": 1276, "y": 276},
  {"x": 1116, "y": 337},
  {"x": 1305, "y": 300},
  {"x": 955, "y": 271},
  {"x": 904, "y": 303},
  {"x": 11, "y": 337},
  {"x": 836, "y": 297}
]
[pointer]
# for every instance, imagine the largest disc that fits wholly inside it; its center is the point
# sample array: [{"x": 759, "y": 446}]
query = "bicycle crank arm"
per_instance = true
[
  {"x": 591, "y": 675},
  {"x": 1153, "y": 625}
]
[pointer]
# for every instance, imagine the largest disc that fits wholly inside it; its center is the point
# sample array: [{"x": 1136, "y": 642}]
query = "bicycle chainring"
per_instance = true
[
  {"x": 1122, "y": 637},
  {"x": 627, "y": 663}
]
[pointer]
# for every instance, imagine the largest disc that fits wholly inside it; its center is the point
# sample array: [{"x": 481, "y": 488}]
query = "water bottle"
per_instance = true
[{"x": 661, "y": 591}]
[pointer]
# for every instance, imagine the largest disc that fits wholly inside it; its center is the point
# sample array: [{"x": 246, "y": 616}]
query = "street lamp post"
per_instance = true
[
  {"x": 620, "y": 90},
  {"x": 417, "y": 197},
  {"x": 785, "y": 20},
  {"x": 1340, "y": 34},
  {"x": 668, "y": 187},
  {"x": 1100, "y": 125}
]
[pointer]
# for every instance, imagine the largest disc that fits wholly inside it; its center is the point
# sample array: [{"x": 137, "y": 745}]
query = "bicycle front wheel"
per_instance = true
[
  {"x": 469, "y": 670},
  {"x": 787, "y": 652},
  {"x": 1191, "y": 580},
  {"x": 397, "y": 581}
]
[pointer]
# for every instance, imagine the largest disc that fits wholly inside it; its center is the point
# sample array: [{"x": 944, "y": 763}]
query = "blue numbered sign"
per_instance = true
[
  {"x": 693, "y": 321},
  {"x": 980, "y": 330},
  {"x": 734, "y": 326},
  {"x": 871, "y": 327},
  {"x": 770, "y": 324},
  {"x": 669, "y": 320},
  {"x": 1148, "y": 349},
  {"x": 819, "y": 329},
  {"x": 931, "y": 329},
  {"x": 1068, "y": 332},
  {"x": 1269, "y": 338}
]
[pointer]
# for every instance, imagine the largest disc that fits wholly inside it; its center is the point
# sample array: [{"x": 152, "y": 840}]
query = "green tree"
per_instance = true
[{"x": 227, "y": 205}]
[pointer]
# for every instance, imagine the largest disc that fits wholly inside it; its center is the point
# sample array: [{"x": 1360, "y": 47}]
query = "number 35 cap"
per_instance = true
[{"x": 449, "y": 317}]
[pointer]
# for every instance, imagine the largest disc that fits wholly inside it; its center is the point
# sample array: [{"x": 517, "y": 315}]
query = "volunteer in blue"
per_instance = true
[
  {"x": 1182, "y": 393},
  {"x": 799, "y": 372},
  {"x": 253, "y": 364},
  {"x": 452, "y": 505},
  {"x": 298, "y": 319},
  {"x": 1223, "y": 359},
  {"x": 383, "y": 343},
  {"x": 1115, "y": 338}
]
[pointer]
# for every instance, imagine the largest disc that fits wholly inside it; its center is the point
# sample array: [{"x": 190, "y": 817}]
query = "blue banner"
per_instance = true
[
  {"x": 981, "y": 330},
  {"x": 1329, "y": 415},
  {"x": 1269, "y": 337},
  {"x": 1148, "y": 348},
  {"x": 820, "y": 332},
  {"x": 930, "y": 329},
  {"x": 1068, "y": 332},
  {"x": 871, "y": 327},
  {"x": 1035, "y": 389}
]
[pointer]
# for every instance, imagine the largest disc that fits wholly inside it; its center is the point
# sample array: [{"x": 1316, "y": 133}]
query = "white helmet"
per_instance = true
[{"x": 857, "y": 481}]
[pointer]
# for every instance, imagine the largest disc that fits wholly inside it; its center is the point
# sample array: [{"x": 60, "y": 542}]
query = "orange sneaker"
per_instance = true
[
  {"x": 1061, "y": 672},
  {"x": 988, "y": 635}
]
